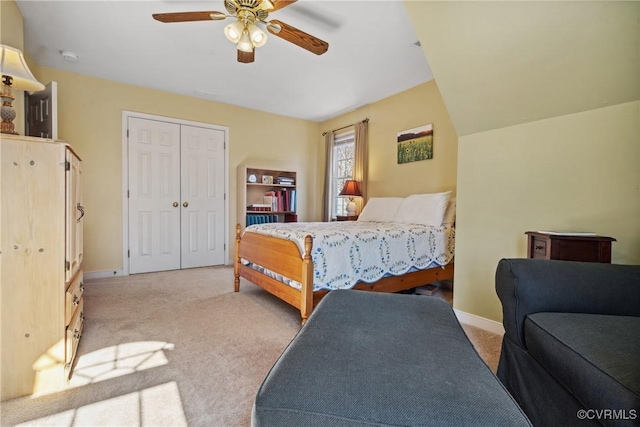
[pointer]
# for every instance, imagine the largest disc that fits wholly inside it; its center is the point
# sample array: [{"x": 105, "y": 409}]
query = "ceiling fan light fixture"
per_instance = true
[
  {"x": 266, "y": 4},
  {"x": 258, "y": 37},
  {"x": 234, "y": 31},
  {"x": 245, "y": 44},
  {"x": 247, "y": 31}
]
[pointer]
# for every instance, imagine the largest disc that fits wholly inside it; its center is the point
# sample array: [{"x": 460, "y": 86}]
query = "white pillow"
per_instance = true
[
  {"x": 450, "y": 214},
  {"x": 426, "y": 209},
  {"x": 380, "y": 209}
]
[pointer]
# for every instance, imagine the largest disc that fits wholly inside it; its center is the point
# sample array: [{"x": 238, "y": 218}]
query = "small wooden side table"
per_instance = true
[
  {"x": 568, "y": 247},
  {"x": 347, "y": 218}
]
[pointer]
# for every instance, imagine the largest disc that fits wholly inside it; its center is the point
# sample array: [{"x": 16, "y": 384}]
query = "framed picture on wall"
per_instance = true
[{"x": 415, "y": 144}]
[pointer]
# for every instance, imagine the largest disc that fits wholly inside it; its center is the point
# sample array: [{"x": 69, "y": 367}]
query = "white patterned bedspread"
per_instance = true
[{"x": 347, "y": 252}]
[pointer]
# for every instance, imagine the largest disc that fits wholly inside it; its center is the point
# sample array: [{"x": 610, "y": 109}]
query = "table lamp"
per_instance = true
[
  {"x": 16, "y": 75},
  {"x": 351, "y": 190}
]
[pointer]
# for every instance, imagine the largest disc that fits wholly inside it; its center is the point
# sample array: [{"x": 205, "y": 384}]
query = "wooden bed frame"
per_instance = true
[{"x": 283, "y": 257}]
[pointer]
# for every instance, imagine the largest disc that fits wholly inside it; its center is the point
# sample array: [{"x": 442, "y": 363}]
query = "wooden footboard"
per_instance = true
[{"x": 283, "y": 256}]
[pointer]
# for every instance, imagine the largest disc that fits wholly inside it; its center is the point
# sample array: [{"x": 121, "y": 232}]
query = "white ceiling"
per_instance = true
[{"x": 372, "y": 52}]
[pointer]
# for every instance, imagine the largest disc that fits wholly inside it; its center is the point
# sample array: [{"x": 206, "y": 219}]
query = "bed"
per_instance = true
[{"x": 300, "y": 263}]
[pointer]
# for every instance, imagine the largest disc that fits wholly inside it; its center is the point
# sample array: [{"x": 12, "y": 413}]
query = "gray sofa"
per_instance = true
[
  {"x": 571, "y": 349},
  {"x": 366, "y": 358}
]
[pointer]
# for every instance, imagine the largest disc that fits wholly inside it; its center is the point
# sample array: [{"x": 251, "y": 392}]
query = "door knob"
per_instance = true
[
  {"x": 175, "y": 204},
  {"x": 185, "y": 204}
]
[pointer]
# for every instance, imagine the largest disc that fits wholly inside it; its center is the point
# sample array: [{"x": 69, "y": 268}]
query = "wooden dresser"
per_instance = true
[
  {"x": 568, "y": 247},
  {"x": 40, "y": 264}
]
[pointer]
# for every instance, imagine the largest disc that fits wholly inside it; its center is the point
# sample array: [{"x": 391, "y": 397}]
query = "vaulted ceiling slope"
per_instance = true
[
  {"x": 499, "y": 64},
  {"x": 372, "y": 52}
]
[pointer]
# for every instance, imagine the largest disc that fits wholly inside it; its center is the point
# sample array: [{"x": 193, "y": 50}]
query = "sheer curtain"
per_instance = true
[
  {"x": 327, "y": 200},
  {"x": 360, "y": 161}
]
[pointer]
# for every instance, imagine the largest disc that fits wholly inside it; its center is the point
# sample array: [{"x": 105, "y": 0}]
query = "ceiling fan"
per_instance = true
[{"x": 245, "y": 31}]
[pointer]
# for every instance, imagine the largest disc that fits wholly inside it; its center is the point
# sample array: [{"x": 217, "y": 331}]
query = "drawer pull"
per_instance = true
[
  {"x": 538, "y": 247},
  {"x": 81, "y": 287},
  {"x": 76, "y": 300},
  {"x": 76, "y": 334},
  {"x": 82, "y": 316}
]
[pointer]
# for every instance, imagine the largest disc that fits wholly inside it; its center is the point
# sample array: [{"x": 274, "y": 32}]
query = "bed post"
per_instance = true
[
  {"x": 236, "y": 264},
  {"x": 306, "y": 292}
]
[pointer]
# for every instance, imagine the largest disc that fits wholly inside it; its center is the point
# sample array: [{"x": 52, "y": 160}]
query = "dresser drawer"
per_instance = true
[
  {"x": 74, "y": 332},
  {"x": 539, "y": 248},
  {"x": 73, "y": 297}
]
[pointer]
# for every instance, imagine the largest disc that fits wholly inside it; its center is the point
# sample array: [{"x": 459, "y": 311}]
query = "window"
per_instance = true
[{"x": 343, "y": 157}]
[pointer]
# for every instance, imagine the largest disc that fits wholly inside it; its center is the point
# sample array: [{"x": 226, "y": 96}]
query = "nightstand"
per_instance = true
[
  {"x": 568, "y": 247},
  {"x": 347, "y": 218}
]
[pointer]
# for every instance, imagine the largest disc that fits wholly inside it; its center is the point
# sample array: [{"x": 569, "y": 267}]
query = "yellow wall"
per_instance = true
[
  {"x": 406, "y": 110},
  {"x": 90, "y": 118},
  {"x": 12, "y": 34},
  {"x": 544, "y": 96},
  {"x": 575, "y": 172}
]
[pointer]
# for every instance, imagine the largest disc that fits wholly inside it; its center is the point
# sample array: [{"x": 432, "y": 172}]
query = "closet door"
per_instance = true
[
  {"x": 154, "y": 195},
  {"x": 176, "y": 196},
  {"x": 202, "y": 183}
]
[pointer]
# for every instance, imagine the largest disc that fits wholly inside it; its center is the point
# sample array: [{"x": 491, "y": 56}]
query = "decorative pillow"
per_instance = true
[
  {"x": 426, "y": 209},
  {"x": 381, "y": 209},
  {"x": 450, "y": 213}
]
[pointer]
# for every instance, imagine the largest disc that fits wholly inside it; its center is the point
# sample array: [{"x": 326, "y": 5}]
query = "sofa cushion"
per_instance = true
[
  {"x": 366, "y": 358},
  {"x": 595, "y": 356}
]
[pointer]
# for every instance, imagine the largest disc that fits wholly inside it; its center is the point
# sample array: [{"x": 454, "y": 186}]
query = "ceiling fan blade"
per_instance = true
[
  {"x": 189, "y": 16},
  {"x": 279, "y": 4},
  {"x": 297, "y": 37},
  {"x": 246, "y": 57}
]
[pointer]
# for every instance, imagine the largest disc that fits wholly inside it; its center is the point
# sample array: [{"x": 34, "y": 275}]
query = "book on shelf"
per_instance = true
[
  {"x": 293, "y": 206},
  {"x": 281, "y": 200},
  {"x": 569, "y": 233},
  {"x": 259, "y": 207},
  {"x": 260, "y": 219},
  {"x": 285, "y": 180},
  {"x": 269, "y": 198},
  {"x": 291, "y": 218}
]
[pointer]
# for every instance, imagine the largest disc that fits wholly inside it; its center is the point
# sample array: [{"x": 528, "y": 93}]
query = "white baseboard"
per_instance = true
[
  {"x": 92, "y": 275},
  {"x": 480, "y": 322}
]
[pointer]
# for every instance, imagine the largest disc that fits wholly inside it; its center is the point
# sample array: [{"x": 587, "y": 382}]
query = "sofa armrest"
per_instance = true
[{"x": 527, "y": 286}]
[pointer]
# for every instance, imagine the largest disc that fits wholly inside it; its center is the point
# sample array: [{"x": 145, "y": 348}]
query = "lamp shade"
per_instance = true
[
  {"x": 350, "y": 189},
  {"x": 245, "y": 44},
  {"x": 258, "y": 37},
  {"x": 233, "y": 31},
  {"x": 12, "y": 64}
]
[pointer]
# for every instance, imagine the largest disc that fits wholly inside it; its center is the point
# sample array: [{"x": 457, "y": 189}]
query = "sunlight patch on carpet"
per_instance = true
[
  {"x": 119, "y": 360},
  {"x": 153, "y": 406}
]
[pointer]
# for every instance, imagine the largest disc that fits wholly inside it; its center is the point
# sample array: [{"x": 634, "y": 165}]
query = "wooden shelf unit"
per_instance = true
[{"x": 250, "y": 193}]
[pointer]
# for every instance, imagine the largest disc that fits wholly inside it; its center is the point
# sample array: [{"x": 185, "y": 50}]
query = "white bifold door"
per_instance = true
[{"x": 176, "y": 196}]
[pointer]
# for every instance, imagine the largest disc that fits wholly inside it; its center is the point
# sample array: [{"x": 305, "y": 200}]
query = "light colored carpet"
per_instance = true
[{"x": 175, "y": 348}]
